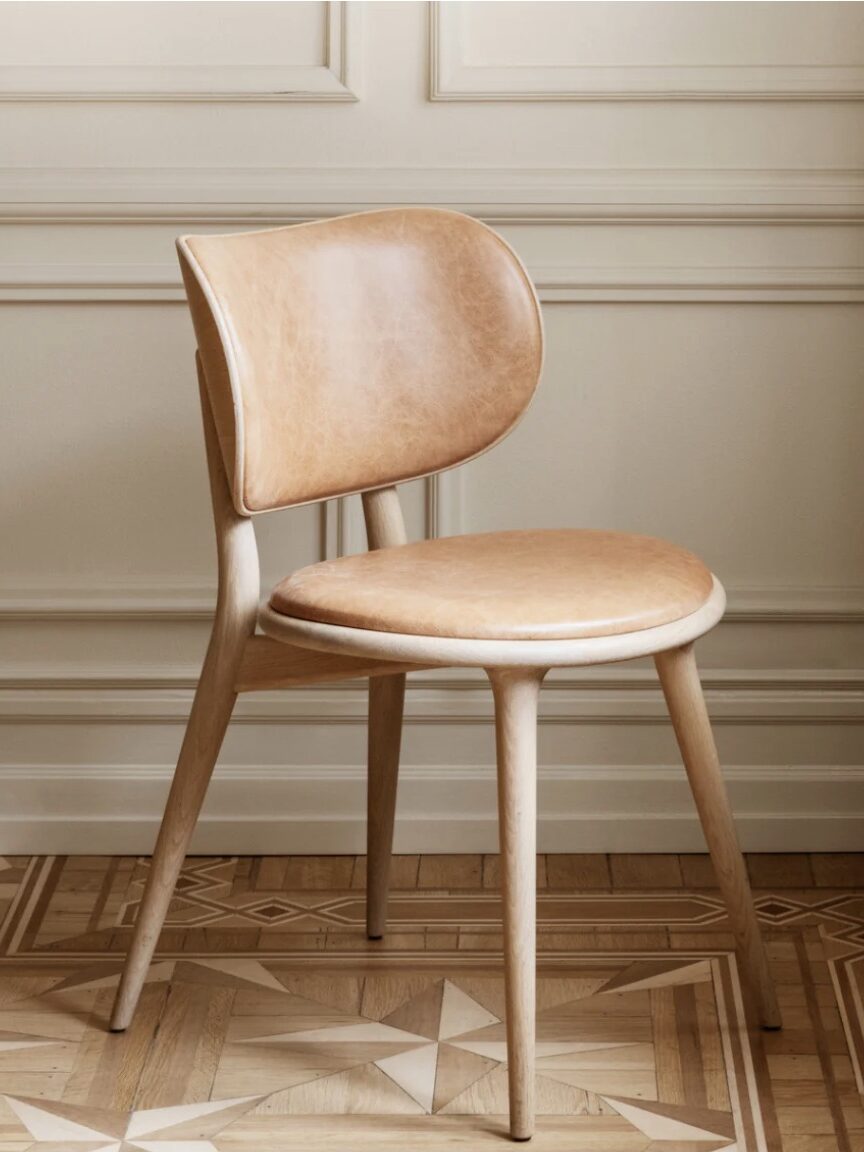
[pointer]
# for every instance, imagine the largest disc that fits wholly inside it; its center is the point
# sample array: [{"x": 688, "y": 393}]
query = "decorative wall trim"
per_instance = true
[
  {"x": 811, "y": 697},
  {"x": 335, "y": 79},
  {"x": 127, "y": 600},
  {"x": 452, "y": 77},
  {"x": 500, "y": 194},
  {"x": 317, "y": 809},
  {"x": 560, "y": 284},
  {"x": 716, "y": 284}
]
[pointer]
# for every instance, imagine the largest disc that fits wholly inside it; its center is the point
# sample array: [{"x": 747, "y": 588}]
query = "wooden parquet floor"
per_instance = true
[{"x": 270, "y": 1024}]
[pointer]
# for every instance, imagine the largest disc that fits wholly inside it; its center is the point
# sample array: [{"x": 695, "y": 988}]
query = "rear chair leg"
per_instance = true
[
  {"x": 385, "y": 528},
  {"x": 516, "y": 692},
  {"x": 386, "y": 701},
  {"x": 679, "y": 677}
]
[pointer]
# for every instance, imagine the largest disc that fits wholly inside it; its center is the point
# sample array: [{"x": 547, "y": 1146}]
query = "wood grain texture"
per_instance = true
[
  {"x": 270, "y": 664},
  {"x": 385, "y": 528},
  {"x": 516, "y": 693},
  {"x": 641, "y": 1038}
]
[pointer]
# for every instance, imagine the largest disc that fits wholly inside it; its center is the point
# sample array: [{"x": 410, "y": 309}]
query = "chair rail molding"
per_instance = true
[
  {"x": 334, "y": 77},
  {"x": 455, "y": 74},
  {"x": 555, "y": 284},
  {"x": 132, "y": 600},
  {"x": 264, "y": 195}
]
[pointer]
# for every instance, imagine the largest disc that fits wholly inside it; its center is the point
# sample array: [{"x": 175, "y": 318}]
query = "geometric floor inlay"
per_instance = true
[{"x": 269, "y": 1023}]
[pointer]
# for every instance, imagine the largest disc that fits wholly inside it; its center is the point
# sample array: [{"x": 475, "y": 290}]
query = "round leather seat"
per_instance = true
[{"x": 531, "y": 585}]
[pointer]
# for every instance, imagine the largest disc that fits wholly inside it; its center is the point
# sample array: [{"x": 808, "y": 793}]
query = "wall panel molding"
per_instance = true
[
  {"x": 558, "y": 284},
  {"x": 455, "y": 75},
  {"x": 157, "y": 600},
  {"x": 496, "y": 194},
  {"x": 335, "y": 78},
  {"x": 610, "y": 695}
]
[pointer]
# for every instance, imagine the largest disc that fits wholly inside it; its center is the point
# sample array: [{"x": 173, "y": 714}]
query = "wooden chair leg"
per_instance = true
[
  {"x": 208, "y": 720},
  {"x": 516, "y": 693},
  {"x": 679, "y": 677},
  {"x": 386, "y": 700},
  {"x": 236, "y": 612}
]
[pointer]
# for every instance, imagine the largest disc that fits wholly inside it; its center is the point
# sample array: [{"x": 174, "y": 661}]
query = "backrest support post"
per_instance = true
[{"x": 385, "y": 526}]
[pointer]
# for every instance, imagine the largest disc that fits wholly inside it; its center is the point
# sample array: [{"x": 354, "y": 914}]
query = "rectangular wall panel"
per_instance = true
[{"x": 646, "y": 51}]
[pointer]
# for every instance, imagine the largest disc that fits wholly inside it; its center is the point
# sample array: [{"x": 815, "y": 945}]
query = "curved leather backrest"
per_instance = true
[{"x": 359, "y": 352}]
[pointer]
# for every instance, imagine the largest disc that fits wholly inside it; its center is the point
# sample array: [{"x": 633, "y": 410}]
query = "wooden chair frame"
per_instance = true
[{"x": 294, "y": 652}]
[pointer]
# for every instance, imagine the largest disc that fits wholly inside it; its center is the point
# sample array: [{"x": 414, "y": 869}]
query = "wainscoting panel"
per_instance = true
[
  {"x": 701, "y": 267},
  {"x": 645, "y": 51},
  {"x": 90, "y": 53}
]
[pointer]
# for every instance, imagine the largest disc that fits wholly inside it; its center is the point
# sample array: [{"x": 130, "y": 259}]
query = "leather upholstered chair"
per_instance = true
[{"x": 349, "y": 355}]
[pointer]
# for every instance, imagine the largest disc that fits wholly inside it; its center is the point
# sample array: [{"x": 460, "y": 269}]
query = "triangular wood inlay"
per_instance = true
[
  {"x": 414, "y": 1072},
  {"x": 49, "y": 1120},
  {"x": 421, "y": 1014},
  {"x": 460, "y": 1013},
  {"x": 227, "y": 974},
  {"x": 457, "y": 1070},
  {"x": 674, "y": 1122},
  {"x": 359, "y": 1091},
  {"x": 658, "y": 974},
  {"x": 199, "y": 1116}
]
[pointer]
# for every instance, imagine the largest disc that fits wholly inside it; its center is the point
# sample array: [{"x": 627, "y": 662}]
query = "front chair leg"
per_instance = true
[
  {"x": 386, "y": 701},
  {"x": 236, "y": 612},
  {"x": 208, "y": 720},
  {"x": 679, "y": 677},
  {"x": 516, "y": 692}
]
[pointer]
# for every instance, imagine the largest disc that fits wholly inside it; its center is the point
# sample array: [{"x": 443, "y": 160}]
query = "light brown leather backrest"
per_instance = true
[{"x": 355, "y": 353}]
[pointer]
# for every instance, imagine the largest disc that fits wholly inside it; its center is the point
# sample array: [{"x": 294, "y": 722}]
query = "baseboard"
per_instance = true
[{"x": 321, "y": 809}]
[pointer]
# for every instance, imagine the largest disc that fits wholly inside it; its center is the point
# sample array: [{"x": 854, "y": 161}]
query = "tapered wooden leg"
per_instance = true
[
  {"x": 679, "y": 677},
  {"x": 385, "y": 528},
  {"x": 386, "y": 700},
  {"x": 236, "y": 612},
  {"x": 208, "y": 721},
  {"x": 516, "y": 691}
]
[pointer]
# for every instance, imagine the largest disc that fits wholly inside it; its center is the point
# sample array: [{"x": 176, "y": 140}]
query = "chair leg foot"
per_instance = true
[
  {"x": 386, "y": 701},
  {"x": 516, "y": 694},
  {"x": 679, "y": 677}
]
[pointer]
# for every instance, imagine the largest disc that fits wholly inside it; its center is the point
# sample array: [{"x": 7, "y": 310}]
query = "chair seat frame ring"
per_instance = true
[{"x": 454, "y": 652}]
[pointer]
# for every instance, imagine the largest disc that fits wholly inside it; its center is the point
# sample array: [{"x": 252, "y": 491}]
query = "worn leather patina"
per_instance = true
[
  {"x": 535, "y": 585},
  {"x": 354, "y": 353}
]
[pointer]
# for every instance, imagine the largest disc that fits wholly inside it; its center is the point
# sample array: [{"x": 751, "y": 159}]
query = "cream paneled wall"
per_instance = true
[{"x": 701, "y": 264}]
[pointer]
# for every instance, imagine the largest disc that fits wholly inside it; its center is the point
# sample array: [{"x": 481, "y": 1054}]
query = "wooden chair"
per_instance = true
[{"x": 350, "y": 355}]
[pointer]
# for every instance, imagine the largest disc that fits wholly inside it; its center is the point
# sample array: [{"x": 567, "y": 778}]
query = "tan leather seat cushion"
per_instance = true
[{"x": 536, "y": 585}]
